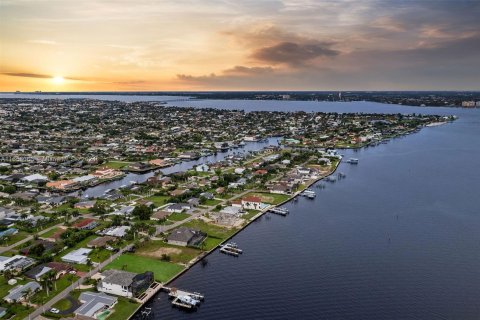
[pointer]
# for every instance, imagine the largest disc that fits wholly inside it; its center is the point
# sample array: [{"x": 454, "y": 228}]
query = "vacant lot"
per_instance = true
[
  {"x": 135, "y": 263},
  {"x": 155, "y": 249}
]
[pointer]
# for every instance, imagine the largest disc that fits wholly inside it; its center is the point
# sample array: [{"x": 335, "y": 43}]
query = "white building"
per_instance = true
[
  {"x": 79, "y": 256},
  {"x": 123, "y": 283}
]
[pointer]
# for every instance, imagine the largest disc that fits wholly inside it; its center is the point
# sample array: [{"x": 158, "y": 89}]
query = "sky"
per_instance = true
[{"x": 166, "y": 45}]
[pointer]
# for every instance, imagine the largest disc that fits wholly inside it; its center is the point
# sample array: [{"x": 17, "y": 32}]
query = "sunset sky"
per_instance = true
[{"x": 108, "y": 45}]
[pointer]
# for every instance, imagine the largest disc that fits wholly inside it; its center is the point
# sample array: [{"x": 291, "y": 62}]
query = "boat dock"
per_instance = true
[
  {"x": 231, "y": 249},
  {"x": 279, "y": 211},
  {"x": 310, "y": 194},
  {"x": 183, "y": 298}
]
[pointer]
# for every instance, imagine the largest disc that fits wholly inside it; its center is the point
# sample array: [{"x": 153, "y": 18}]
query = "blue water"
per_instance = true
[{"x": 396, "y": 239}]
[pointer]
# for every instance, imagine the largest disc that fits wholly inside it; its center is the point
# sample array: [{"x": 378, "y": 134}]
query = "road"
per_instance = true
[{"x": 75, "y": 285}]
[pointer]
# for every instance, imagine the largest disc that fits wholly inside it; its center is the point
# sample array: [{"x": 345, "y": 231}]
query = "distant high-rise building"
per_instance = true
[{"x": 468, "y": 104}]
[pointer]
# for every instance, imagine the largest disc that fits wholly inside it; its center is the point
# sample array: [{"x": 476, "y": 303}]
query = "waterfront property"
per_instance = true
[
  {"x": 124, "y": 283},
  {"x": 186, "y": 237},
  {"x": 93, "y": 303}
]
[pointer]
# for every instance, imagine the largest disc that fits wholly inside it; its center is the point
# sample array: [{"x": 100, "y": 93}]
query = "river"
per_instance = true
[{"x": 396, "y": 239}]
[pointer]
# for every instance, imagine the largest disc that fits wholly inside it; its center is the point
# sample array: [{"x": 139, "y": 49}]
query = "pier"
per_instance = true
[
  {"x": 231, "y": 249},
  {"x": 184, "y": 299},
  {"x": 279, "y": 211}
]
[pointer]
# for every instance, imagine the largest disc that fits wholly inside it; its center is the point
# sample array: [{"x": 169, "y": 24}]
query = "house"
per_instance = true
[
  {"x": 160, "y": 215},
  {"x": 281, "y": 189},
  {"x": 20, "y": 292},
  {"x": 194, "y": 202},
  {"x": 178, "y": 192},
  {"x": 62, "y": 185},
  {"x": 8, "y": 232},
  {"x": 60, "y": 268},
  {"x": 118, "y": 232},
  {"x": 239, "y": 170},
  {"x": 47, "y": 245},
  {"x": 158, "y": 162},
  {"x": 38, "y": 272},
  {"x": 303, "y": 171},
  {"x": 124, "y": 211},
  {"x": 178, "y": 207},
  {"x": 101, "y": 242},
  {"x": 3, "y": 312},
  {"x": 86, "y": 224},
  {"x": 253, "y": 202},
  {"x": 94, "y": 303},
  {"x": 232, "y": 210},
  {"x": 202, "y": 168},
  {"x": 260, "y": 172},
  {"x": 123, "y": 283},
  {"x": 207, "y": 195},
  {"x": 79, "y": 256},
  {"x": 107, "y": 173},
  {"x": 16, "y": 263},
  {"x": 85, "y": 180},
  {"x": 85, "y": 204},
  {"x": 35, "y": 179},
  {"x": 186, "y": 237}
]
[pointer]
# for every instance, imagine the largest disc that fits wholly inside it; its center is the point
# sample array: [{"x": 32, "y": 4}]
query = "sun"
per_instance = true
[{"x": 58, "y": 80}]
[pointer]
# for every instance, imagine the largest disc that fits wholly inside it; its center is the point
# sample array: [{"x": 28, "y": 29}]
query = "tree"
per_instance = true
[
  {"x": 142, "y": 212},
  {"x": 37, "y": 250},
  {"x": 99, "y": 209}
]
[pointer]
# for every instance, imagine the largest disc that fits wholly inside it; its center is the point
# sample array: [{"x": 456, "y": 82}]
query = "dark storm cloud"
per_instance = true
[{"x": 292, "y": 53}]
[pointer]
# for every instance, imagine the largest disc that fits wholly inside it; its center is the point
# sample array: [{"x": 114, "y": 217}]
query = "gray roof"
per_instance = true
[
  {"x": 20, "y": 291},
  {"x": 93, "y": 302},
  {"x": 122, "y": 278},
  {"x": 183, "y": 234}
]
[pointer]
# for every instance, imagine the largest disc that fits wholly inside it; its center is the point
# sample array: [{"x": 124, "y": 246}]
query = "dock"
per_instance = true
[
  {"x": 279, "y": 211},
  {"x": 184, "y": 299},
  {"x": 231, "y": 249}
]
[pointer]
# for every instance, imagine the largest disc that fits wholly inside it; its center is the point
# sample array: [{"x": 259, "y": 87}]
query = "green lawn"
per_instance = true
[
  {"x": 124, "y": 309},
  {"x": 158, "y": 201},
  {"x": 211, "y": 242},
  {"x": 63, "y": 304},
  {"x": 50, "y": 233},
  {"x": 176, "y": 216},
  {"x": 134, "y": 263},
  {"x": 14, "y": 238},
  {"x": 5, "y": 287},
  {"x": 250, "y": 214},
  {"x": 211, "y": 230},
  {"x": 150, "y": 248},
  {"x": 42, "y": 297},
  {"x": 99, "y": 255},
  {"x": 211, "y": 202},
  {"x": 116, "y": 164}
]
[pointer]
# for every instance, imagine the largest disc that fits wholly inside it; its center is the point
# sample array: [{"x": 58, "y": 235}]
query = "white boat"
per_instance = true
[
  {"x": 353, "y": 161},
  {"x": 189, "y": 300}
]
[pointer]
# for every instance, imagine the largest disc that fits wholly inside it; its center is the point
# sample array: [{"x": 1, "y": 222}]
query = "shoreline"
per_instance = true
[{"x": 250, "y": 221}]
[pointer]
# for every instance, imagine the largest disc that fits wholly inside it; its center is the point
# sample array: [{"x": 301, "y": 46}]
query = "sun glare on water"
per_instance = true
[{"x": 58, "y": 80}]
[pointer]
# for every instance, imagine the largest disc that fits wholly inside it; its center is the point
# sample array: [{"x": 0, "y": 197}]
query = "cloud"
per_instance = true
[
  {"x": 27, "y": 75},
  {"x": 45, "y": 42},
  {"x": 294, "y": 54},
  {"x": 242, "y": 70}
]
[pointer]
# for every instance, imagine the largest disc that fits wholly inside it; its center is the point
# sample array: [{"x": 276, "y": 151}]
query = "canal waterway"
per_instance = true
[{"x": 396, "y": 239}]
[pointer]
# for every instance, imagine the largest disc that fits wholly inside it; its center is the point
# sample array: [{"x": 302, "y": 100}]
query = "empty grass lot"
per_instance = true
[{"x": 135, "y": 263}]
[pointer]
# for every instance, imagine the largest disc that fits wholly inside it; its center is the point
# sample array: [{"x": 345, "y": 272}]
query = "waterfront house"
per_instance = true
[
  {"x": 123, "y": 283},
  {"x": 232, "y": 210},
  {"x": 62, "y": 185},
  {"x": 253, "y": 202},
  {"x": 94, "y": 303},
  {"x": 20, "y": 292},
  {"x": 186, "y": 237}
]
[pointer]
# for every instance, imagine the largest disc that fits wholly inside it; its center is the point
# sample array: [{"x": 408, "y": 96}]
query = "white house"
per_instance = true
[
  {"x": 79, "y": 256},
  {"x": 253, "y": 202},
  {"x": 239, "y": 170},
  {"x": 202, "y": 168}
]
